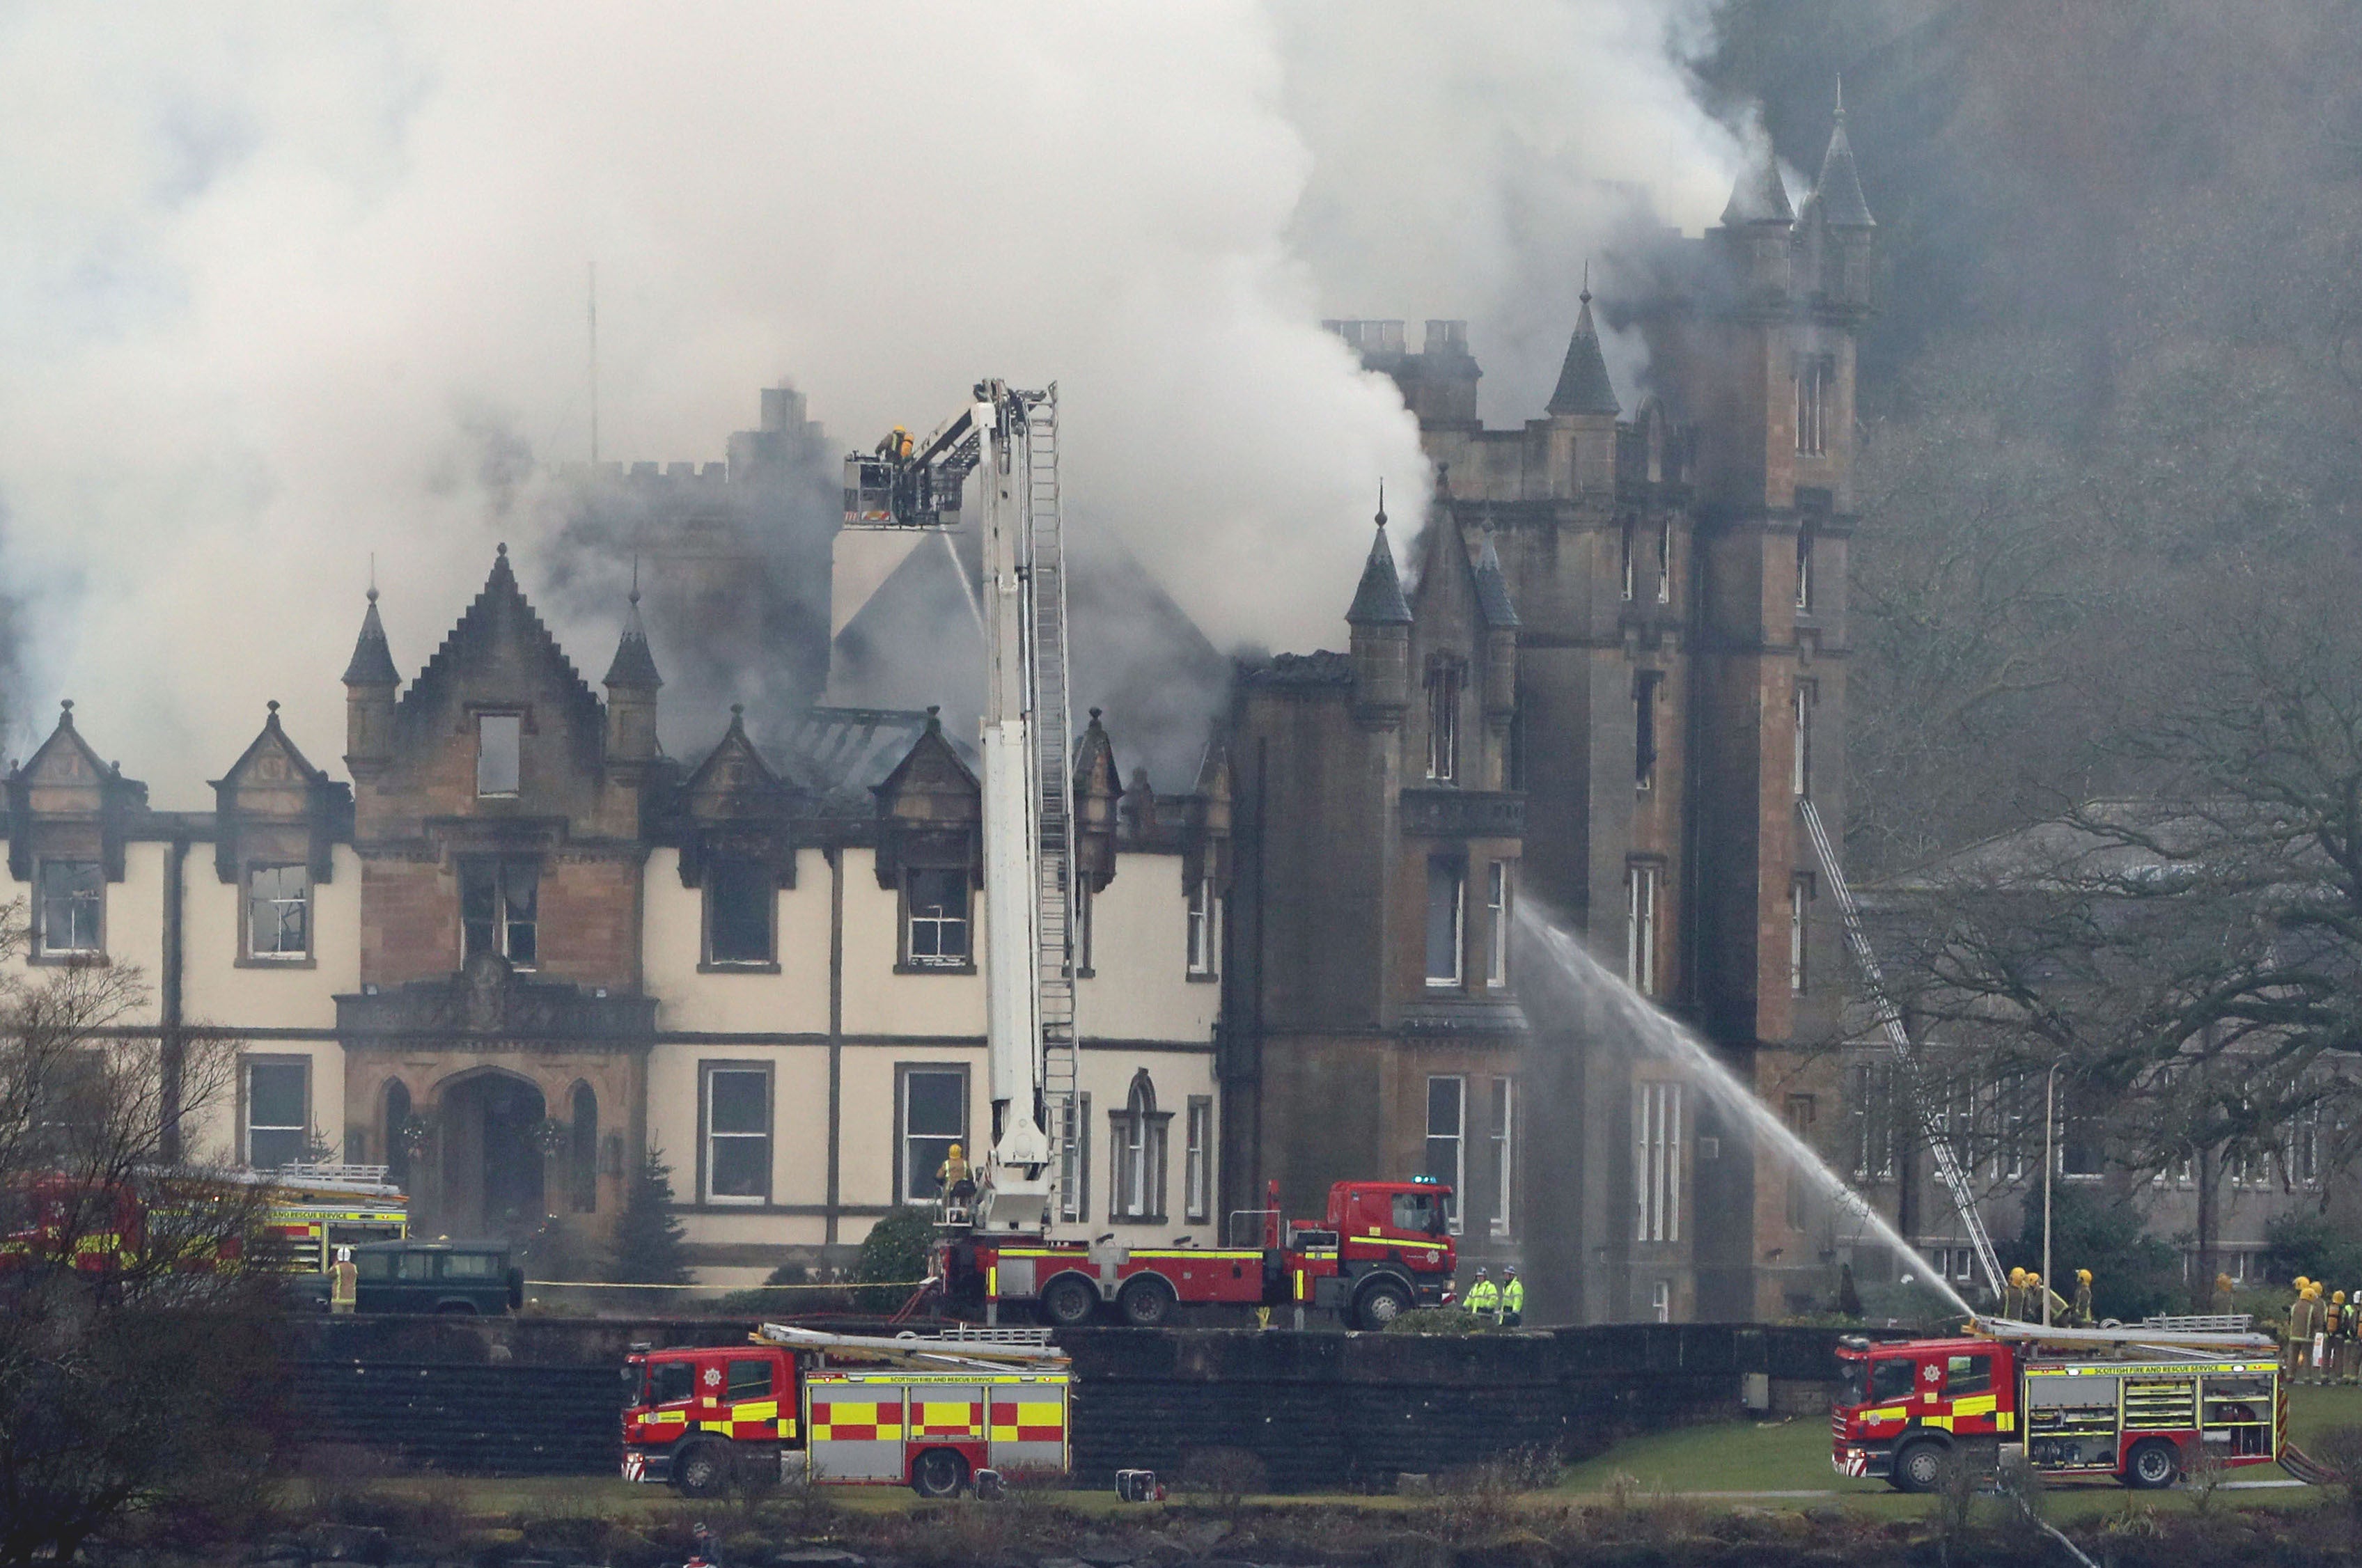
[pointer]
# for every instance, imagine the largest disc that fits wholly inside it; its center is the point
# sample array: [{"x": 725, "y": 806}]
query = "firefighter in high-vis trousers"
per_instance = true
[
  {"x": 1513, "y": 1297},
  {"x": 2081, "y": 1316},
  {"x": 2304, "y": 1323},
  {"x": 1485, "y": 1298},
  {"x": 343, "y": 1283}
]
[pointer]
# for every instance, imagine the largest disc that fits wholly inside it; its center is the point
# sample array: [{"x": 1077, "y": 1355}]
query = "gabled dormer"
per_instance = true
[
  {"x": 1445, "y": 740},
  {"x": 498, "y": 728},
  {"x": 931, "y": 850},
  {"x": 70, "y": 814},
  {"x": 1099, "y": 797},
  {"x": 274, "y": 807},
  {"x": 734, "y": 806}
]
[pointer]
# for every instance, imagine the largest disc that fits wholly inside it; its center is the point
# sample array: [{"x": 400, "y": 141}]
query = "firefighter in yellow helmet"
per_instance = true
[
  {"x": 343, "y": 1283},
  {"x": 1513, "y": 1297},
  {"x": 2081, "y": 1316},
  {"x": 1483, "y": 1299},
  {"x": 2013, "y": 1301},
  {"x": 955, "y": 1179},
  {"x": 2304, "y": 1326}
]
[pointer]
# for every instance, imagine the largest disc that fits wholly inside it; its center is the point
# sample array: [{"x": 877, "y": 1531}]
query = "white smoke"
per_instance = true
[{"x": 284, "y": 287}]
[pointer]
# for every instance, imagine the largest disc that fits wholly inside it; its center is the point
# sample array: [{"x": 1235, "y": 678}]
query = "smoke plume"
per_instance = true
[{"x": 283, "y": 288}]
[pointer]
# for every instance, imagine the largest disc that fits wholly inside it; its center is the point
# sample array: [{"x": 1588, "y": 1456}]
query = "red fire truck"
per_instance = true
[
  {"x": 2134, "y": 1404},
  {"x": 933, "y": 1414},
  {"x": 1382, "y": 1248},
  {"x": 306, "y": 1212}
]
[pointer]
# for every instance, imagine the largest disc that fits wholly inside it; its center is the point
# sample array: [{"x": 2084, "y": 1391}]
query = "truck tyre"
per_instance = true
[
  {"x": 938, "y": 1473},
  {"x": 1918, "y": 1466},
  {"x": 1068, "y": 1301},
  {"x": 1380, "y": 1302},
  {"x": 1146, "y": 1302},
  {"x": 2152, "y": 1465},
  {"x": 702, "y": 1470}
]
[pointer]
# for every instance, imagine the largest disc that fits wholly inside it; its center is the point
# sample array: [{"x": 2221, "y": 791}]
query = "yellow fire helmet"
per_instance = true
[
  {"x": 2313, "y": 1292},
  {"x": 955, "y": 1151},
  {"x": 2301, "y": 1282},
  {"x": 2084, "y": 1275},
  {"x": 2017, "y": 1278},
  {"x": 2338, "y": 1297}
]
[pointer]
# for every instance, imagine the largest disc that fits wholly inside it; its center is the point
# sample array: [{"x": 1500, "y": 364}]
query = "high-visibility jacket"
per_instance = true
[
  {"x": 343, "y": 1284},
  {"x": 1512, "y": 1297},
  {"x": 1483, "y": 1297}
]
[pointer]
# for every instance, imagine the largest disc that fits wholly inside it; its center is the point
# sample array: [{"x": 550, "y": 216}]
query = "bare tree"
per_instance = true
[{"x": 135, "y": 1347}]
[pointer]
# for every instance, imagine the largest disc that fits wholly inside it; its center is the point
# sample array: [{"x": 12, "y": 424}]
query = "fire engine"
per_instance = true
[
  {"x": 934, "y": 1413},
  {"x": 1382, "y": 1248},
  {"x": 308, "y": 1210},
  {"x": 2137, "y": 1405},
  {"x": 1385, "y": 1246}
]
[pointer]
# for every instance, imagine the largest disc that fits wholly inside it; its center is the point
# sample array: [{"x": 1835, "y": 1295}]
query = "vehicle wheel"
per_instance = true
[
  {"x": 938, "y": 1473},
  {"x": 1380, "y": 1303},
  {"x": 1146, "y": 1302},
  {"x": 704, "y": 1470},
  {"x": 1069, "y": 1301},
  {"x": 2152, "y": 1465},
  {"x": 1918, "y": 1467}
]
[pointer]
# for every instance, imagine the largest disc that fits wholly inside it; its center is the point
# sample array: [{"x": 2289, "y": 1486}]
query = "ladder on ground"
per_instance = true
[
  {"x": 1898, "y": 1040},
  {"x": 1053, "y": 775}
]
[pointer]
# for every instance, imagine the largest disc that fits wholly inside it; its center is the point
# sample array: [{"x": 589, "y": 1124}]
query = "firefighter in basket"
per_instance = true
[{"x": 957, "y": 1178}]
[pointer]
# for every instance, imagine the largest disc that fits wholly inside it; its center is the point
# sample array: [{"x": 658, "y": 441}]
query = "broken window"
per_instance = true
[
  {"x": 1496, "y": 911},
  {"x": 1640, "y": 929},
  {"x": 277, "y": 911},
  {"x": 1443, "y": 680},
  {"x": 500, "y": 902},
  {"x": 1446, "y": 1123},
  {"x": 1816, "y": 378},
  {"x": 74, "y": 897},
  {"x": 1665, "y": 561},
  {"x": 499, "y": 739},
  {"x": 1808, "y": 692},
  {"x": 1803, "y": 569},
  {"x": 937, "y": 898},
  {"x": 1445, "y": 913},
  {"x": 740, "y": 894},
  {"x": 737, "y": 1134},
  {"x": 278, "y": 1113},
  {"x": 1645, "y": 686}
]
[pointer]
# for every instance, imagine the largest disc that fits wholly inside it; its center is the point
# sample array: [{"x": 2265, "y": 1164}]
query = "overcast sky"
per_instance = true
[{"x": 274, "y": 281}]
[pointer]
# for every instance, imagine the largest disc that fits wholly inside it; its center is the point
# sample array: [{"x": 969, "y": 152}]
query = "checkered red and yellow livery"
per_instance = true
[{"x": 848, "y": 1410}]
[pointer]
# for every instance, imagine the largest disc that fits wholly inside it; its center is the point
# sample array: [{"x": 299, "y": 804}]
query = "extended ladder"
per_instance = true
[
  {"x": 1898, "y": 1039},
  {"x": 1054, "y": 777}
]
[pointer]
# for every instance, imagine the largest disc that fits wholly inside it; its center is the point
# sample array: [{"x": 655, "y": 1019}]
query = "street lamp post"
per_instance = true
[{"x": 2050, "y": 1164}]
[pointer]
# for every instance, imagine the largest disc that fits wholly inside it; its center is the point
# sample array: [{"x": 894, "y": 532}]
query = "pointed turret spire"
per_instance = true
[
  {"x": 373, "y": 662},
  {"x": 1583, "y": 383},
  {"x": 1838, "y": 198},
  {"x": 1492, "y": 592},
  {"x": 634, "y": 664},
  {"x": 1761, "y": 195},
  {"x": 1379, "y": 601}
]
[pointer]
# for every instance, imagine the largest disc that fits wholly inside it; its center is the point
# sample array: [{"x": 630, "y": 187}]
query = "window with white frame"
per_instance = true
[
  {"x": 499, "y": 741},
  {"x": 1870, "y": 1107},
  {"x": 1640, "y": 927},
  {"x": 1647, "y": 684},
  {"x": 1656, "y": 1160},
  {"x": 936, "y": 930},
  {"x": 1660, "y": 1300},
  {"x": 1505, "y": 1170},
  {"x": 1205, "y": 926},
  {"x": 1447, "y": 1140},
  {"x": 1446, "y": 918},
  {"x": 1629, "y": 567},
  {"x": 73, "y": 902},
  {"x": 1137, "y": 1191},
  {"x": 500, "y": 908},
  {"x": 737, "y": 1132},
  {"x": 1800, "y": 778},
  {"x": 2012, "y": 1092},
  {"x": 1197, "y": 1166},
  {"x": 1803, "y": 569},
  {"x": 278, "y": 912},
  {"x": 1814, "y": 375},
  {"x": 278, "y": 1096},
  {"x": 1073, "y": 1118},
  {"x": 932, "y": 1115},
  {"x": 1665, "y": 561},
  {"x": 1496, "y": 923}
]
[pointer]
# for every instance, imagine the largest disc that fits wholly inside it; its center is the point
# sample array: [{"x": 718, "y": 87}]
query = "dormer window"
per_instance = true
[
  {"x": 500, "y": 738},
  {"x": 936, "y": 898},
  {"x": 1443, "y": 682},
  {"x": 740, "y": 895},
  {"x": 500, "y": 907},
  {"x": 279, "y": 913}
]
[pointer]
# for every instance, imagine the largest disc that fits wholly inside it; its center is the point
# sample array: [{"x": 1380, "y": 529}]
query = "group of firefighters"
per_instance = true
[
  {"x": 2023, "y": 1298},
  {"x": 2324, "y": 1336},
  {"x": 1502, "y": 1305}
]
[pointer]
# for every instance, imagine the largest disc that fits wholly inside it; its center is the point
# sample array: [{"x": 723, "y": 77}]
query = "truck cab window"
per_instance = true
[
  {"x": 750, "y": 1380},
  {"x": 1968, "y": 1374},
  {"x": 1420, "y": 1213},
  {"x": 1891, "y": 1379},
  {"x": 670, "y": 1383}
]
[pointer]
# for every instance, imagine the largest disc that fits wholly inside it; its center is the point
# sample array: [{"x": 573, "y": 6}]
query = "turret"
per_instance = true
[
  {"x": 1499, "y": 617},
  {"x": 1756, "y": 226},
  {"x": 1583, "y": 408},
  {"x": 1836, "y": 232},
  {"x": 369, "y": 683},
  {"x": 631, "y": 682},
  {"x": 1380, "y": 619}
]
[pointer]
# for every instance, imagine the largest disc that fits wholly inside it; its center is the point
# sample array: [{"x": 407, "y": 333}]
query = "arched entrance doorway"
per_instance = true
[{"x": 493, "y": 1157}]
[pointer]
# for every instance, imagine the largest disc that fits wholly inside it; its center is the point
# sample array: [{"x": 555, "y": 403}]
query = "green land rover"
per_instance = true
[{"x": 457, "y": 1279}]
